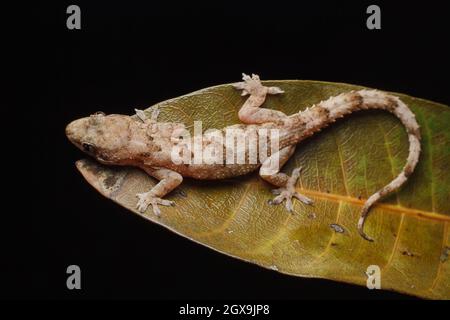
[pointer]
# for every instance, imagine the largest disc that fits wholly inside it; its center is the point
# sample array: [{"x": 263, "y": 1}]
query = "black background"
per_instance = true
[{"x": 131, "y": 54}]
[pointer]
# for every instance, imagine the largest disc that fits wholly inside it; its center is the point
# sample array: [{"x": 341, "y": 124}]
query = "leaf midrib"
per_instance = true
[{"x": 360, "y": 202}]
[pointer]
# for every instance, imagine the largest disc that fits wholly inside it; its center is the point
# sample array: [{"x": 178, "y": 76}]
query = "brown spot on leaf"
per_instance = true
[
  {"x": 110, "y": 181},
  {"x": 311, "y": 215},
  {"x": 337, "y": 228},
  {"x": 91, "y": 167},
  {"x": 445, "y": 254},
  {"x": 182, "y": 193},
  {"x": 407, "y": 253}
]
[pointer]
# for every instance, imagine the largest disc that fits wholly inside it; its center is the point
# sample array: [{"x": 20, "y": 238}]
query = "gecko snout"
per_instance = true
[
  {"x": 76, "y": 130},
  {"x": 101, "y": 136}
]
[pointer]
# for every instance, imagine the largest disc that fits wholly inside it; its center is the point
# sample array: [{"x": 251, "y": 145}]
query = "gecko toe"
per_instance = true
[
  {"x": 147, "y": 199},
  {"x": 166, "y": 202},
  {"x": 156, "y": 210},
  {"x": 287, "y": 195},
  {"x": 252, "y": 85},
  {"x": 303, "y": 199},
  {"x": 276, "y": 191},
  {"x": 239, "y": 85},
  {"x": 289, "y": 205},
  {"x": 279, "y": 199}
]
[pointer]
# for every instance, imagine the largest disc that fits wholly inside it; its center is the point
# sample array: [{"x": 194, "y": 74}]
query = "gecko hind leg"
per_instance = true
[
  {"x": 253, "y": 86},
  {"x": 250, "y": 112},
  {"x": 286, "y": 184},
  {"x": 288, "y": 192}
]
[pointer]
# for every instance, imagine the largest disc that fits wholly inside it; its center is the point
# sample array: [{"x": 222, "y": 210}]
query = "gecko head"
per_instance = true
[{"x": 102, "y": 137}]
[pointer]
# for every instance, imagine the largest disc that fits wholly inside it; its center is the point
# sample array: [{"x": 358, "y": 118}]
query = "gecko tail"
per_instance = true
[
  {"x": 328, "y": 111},
  {"x": 372, "y": 99}
]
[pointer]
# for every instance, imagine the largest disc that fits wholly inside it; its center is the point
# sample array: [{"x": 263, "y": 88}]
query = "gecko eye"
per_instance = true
[
  {"x": 88, "y": 147},
  {"x": 100, "y": 113}
]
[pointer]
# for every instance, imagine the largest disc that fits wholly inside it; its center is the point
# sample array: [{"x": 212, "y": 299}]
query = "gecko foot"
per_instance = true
[
  {"x": 143, "y": 117},
  {"x": 285, "y": 194},
  {"x": 252, "y": 85},
  {"x": 146, "y": 199},
  {"x": 288, "y": 192}
]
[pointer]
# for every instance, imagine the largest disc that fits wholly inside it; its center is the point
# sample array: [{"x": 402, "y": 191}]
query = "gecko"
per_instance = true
[{"x": 145, "y": 143}]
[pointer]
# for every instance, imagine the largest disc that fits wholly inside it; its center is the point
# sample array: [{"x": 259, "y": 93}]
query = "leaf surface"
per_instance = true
[{"x": 342, "y": 166}]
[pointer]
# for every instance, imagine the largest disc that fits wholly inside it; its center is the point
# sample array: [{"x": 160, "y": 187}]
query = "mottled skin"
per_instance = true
[{"x": 147, "y": 144}]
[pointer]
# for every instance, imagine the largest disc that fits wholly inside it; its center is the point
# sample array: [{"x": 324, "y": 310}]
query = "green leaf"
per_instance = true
[{"x": 342, "y": 166}]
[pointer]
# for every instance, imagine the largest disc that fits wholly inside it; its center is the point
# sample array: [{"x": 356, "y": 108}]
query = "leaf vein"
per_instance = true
[
  {"x": 438, "y": 273},
  {"x": 389, "y": 154},
  {"x": 341, "y": 162},
  {"x": 430, "y": 158}
]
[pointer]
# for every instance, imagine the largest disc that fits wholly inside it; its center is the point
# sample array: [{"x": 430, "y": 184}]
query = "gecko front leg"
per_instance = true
[
  {"x": 168, "y": 180},
  {"x": 286, "y": 184},
  {"x": 143, "y": 117}
]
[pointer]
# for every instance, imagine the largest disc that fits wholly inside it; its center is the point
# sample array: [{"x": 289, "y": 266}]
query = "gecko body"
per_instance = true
[{"x": 146, "y": 143}]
